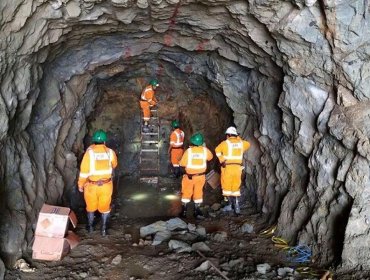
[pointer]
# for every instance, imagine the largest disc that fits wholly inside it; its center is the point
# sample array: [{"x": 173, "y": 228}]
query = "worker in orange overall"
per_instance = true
[
  {"x": 176, "y": 149},
  {"x": 230, "y": 154},
  {"x": 148, "y": 100},
  {"x": 95, "y": 179},
  {"x": 195, "y": 162}
]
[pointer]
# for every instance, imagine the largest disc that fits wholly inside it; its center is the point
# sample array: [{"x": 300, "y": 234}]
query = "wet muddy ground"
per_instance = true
[{"x": 124, "y": 255}]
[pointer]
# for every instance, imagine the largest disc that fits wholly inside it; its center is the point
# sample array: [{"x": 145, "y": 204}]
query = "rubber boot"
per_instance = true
[
  {"x": 183, "y": 212},
  {"x": 104, "y": 222},
  {"x": 229, "y": 206},
  {"x": 197, "y": 212},
  {"x": 232, "y": 200},
  {"x": 90, "y": 221},
  {"x": 237, "y": 206},
  {"x": 177, "y": 171}
]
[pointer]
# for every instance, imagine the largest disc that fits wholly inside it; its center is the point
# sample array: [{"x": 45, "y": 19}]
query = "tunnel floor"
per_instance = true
[{"x": 139, "y": 204}]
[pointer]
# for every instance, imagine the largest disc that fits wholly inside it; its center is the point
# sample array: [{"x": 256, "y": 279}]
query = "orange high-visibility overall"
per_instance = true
[
  {"x": 176, "y": 146},
  {"x": 195, "y": 162},
  {"x": 95, "y": 177},
  {"x": 147, "y": 100},
  {"x": 231, "y": 152}
]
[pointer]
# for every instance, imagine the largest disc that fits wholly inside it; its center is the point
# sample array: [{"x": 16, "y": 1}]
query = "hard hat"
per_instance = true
[
  {"x": 175, "y": 124},
  {"x": 197, "y": 139},
  {"x": 154, "y": 83},
  {"x": 99, "y": 136},
  {"x": 231, "y": 130}
]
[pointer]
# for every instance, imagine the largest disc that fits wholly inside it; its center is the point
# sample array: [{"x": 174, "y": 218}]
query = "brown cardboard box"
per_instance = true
[
  {"x": 72, "y": 239},
  {"x": 49, "y": 248},
  {"x": 213, "y": 179},
  {"x": 53, "y": 221}
]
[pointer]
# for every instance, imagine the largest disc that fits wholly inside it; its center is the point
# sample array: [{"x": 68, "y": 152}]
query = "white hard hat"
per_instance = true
[{"x": 231, "y": 130}]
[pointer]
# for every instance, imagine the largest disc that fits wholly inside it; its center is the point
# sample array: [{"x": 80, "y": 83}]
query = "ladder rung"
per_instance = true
[
  {"x": 149, "y": 169},
  {"x": 150, "y": 133},
  {"x": 153, "y": 110},
  {"x": 149, "y": 159},
  {"x": 149, "y": 150},
  {"x": 149, "y": 142}
]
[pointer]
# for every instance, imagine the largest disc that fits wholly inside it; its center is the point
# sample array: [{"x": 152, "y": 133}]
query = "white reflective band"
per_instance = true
[
  {"x": 237, "y": 193},
  {"x": 198, "y": 200},
  {"x": 186, "y": 200},
  {"x": 218, "y": 154},
  {"x": 232, "y": 147},
  {"x": 84, "y": 175},
  {"x": 179, "y": 138},
  {"x": 193, "y": 156},
  {"x": 175, "y": 165},
  {"x": 100, "y": 156},
  {"x": 143, "y": 95},
  {"x": 228, "y": 193}
]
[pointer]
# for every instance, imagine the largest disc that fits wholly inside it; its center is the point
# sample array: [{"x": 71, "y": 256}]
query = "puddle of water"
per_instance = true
[{"x": 140, "y": 200}]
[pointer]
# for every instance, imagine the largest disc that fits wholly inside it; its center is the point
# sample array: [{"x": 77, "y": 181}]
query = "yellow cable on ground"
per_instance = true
[
  {"x": 268, "y": 232},
  {"x": 309, "y": 271},
  {"x": 280, "y": 243}
]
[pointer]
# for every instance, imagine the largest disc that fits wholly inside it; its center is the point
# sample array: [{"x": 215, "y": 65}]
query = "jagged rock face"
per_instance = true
[{"x": 294, "y": 74}]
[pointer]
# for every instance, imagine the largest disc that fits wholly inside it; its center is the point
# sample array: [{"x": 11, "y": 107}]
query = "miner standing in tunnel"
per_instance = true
[
  {"x": 230, "y": 154},
  {"x": 195, "y": 162},
  {"x": 95, "y": 179},
  {"x": 148, "y": 100},
  {"x": 176, "y": 149}
]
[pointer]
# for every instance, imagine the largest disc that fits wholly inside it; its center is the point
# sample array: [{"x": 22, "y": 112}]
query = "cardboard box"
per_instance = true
[
  {"x": 53, "y": 221},
  {"x": 50, "y": 248},
  {"x": 72, "y": 239},
  {"x": 213, "y": 179}
]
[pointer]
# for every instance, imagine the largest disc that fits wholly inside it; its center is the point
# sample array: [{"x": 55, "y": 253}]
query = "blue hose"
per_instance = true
[{"x": 299, "y": 254}]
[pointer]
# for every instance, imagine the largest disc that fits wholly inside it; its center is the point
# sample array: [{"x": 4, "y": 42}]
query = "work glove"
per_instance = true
[
  {"x": 223, "y": 164},
  {"x": 80, "y": 189}
]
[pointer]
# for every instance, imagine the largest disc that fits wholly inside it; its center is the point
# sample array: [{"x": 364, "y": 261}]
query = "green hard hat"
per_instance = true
[
  {"x": 154, "y": 83},
  {"x": 175, "y": 124},
  {"x": 197, "y": 139},
  {"x": 99, "y": 136}
]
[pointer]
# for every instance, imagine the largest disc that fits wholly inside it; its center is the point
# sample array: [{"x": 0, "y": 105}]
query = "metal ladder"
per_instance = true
[{"x": 149, "y": 151}]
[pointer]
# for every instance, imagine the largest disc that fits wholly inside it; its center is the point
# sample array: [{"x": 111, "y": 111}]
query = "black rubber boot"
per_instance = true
[
  {"x": 197, "y": 211},
  {"x": 232, "y": 201},
  {"x": 237, "y": 206},
  {"x": 90, "y": 221},
  {"x": 229, "y": 206},
  {"x": 183, "y": 212},
  {"x": 177, "y": 172},
  {"x": 104, "y": 222}
]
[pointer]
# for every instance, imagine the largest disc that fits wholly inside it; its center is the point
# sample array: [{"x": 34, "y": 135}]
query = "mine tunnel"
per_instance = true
[{"x": 291, "y": 76}]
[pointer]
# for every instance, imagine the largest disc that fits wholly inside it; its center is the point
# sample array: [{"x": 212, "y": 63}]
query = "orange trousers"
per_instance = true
[
  {"x": 192, "y": 188},
  {"x": 145, "y": 106},
  {"x": 98, "y": 197},
  {"x": 231, "y": 180},
  {"x": 176, "y": 155}
]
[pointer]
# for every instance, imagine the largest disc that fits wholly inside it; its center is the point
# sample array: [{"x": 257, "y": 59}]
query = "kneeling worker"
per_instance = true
[
  {"x": 95, "y": 179},
  {"x": 195, "y": 162},
  {"x": 230, "y": 154}
]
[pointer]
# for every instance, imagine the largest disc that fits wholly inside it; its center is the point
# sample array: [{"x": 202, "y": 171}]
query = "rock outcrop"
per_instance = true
[{"x": 293, "y": 76}]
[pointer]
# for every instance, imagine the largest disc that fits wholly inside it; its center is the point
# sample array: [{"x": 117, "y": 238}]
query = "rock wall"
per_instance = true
[{"x": 294, "y": 74}]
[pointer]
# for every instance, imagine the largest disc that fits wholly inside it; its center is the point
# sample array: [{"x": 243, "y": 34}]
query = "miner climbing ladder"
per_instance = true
[{"x": 149, "y": 152}]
